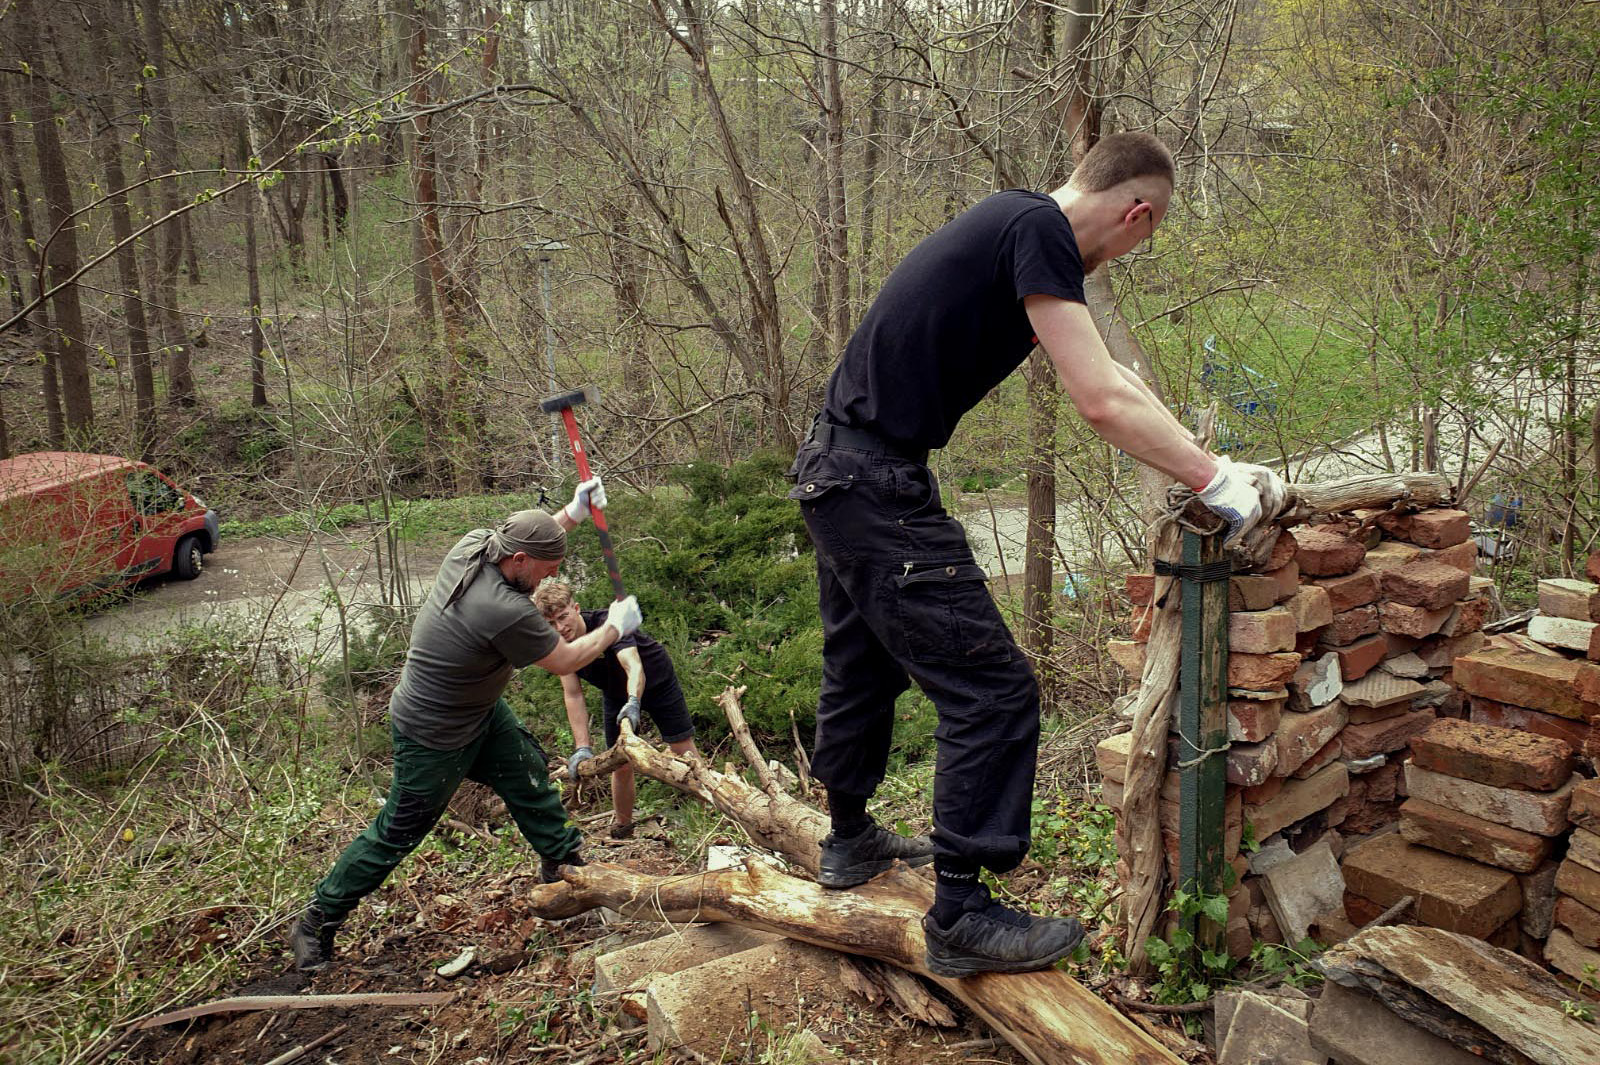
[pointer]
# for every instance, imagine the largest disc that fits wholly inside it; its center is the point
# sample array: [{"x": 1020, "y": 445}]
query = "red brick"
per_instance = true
[
  {"x": 1129, "y": 654},
  {"x": 1579, "y": 881},
  {"x": 1141, "y": 588},
  {"x": 1251, "y": 591},
  {"x": 1424, "y": 583},
  {"x": 1413, "y": 621},
  {"x": 1392, "y": 553},
  {"x": 1503, "y": 715},
  {"x": 1594, "y": 646},
  {"x": 1523, "y": 678},
  {"x": 1383, "y": 783},
  {"x": 1440, "y": 652},
  {"x": 1351, "y": 590},
  {"x": 1463, "y": 556},
  {"x": 1350, "y": 626},
  {"x": 1328, "y": 754},
  {"x": 1502, "y": 757},
  {"x": 1306, "y": 643},
  {"x": 1591, "y": 568},
  {"x": 1261, "y": 672},
  {"x": 1396, "y": 645},
  {"x": 1286, "y": 579},
  {"x": 1468, "y": 616},
  {"x": 1360, "y": 909},
  {"x": 1580, "y": 920},
  {"x": 1365, "y": 715},
  {"x": 1310, "y": 607},
  {"x": 1357, "y": 659},
  {"x": 1543, "y": 813},
  {"x": 1298, "y": 799},
  {"x": 1139, "y": 623},
  {"x": 1327, "y": 554},
  {"x": 1440, "y": 528},
  {"x": 1454, "y": 832},
  {"x": 1253, "y": 720},
  {"x": 1585, "y": 808},
  {"x": 1586, "y": 683},
  {"x": 1451, "y": 893},
  {"x": 1256, "y": 794},
  {"x": 1251, "y": 763},
  {"x": 1301, "y": 735},
  {"x": 1261, "y": 632},
  {"x": 1390, "y": 734},
  {"x": 1284, "y": 549}
]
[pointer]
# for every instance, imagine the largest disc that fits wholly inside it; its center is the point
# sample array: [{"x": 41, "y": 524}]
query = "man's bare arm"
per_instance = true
[
  {"x": 633, "y": 665},
  {"x": 577, "y": 710},
  {"x": 571, "y": 657}
]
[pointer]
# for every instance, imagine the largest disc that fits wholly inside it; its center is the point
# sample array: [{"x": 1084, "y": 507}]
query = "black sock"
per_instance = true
[
  {"x": 849, "y": 813},
  {"x": 954, "y": 882}
]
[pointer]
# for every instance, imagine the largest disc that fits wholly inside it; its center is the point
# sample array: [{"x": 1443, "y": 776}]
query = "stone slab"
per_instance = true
[
  {"x": 1541, "y": 812},
  {"x": 1353, "y": 1028},
  {"x": 1497, "y": 756},
  {"x": 1303, "y": 889},
  {"x": 1454, "y": 832},
  {"x": 1380, "y": 688},
  {"x": 1452, "y": 893},
  {"x": 703, "y": 1008},
  {"x": 1563, "y": 598},
  {"x": 681, "y": 948},
  {"x": 1264, "y": 1033}
]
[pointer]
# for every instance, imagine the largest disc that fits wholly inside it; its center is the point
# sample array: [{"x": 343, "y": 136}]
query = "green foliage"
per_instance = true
[
  {"x": 1294, "y": 963},
  {"x": 1188, "y": 970}
]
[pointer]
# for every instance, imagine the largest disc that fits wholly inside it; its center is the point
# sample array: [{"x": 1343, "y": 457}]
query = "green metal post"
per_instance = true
[{"x": 1203, "y": 723}]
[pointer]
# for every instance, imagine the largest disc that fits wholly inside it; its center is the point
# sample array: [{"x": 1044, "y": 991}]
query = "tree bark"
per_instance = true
[
  {"x": 163, "y": 133},
  {"x": 16, "y": 188},
  {"x": 67, "y": 342}
]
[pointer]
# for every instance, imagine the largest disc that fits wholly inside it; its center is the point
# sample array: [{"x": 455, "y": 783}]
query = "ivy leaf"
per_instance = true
[{"x": 1215, "y": 907}]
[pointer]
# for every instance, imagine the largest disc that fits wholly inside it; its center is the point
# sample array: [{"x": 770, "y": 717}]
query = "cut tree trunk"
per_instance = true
[{"x": 1048, "y": 1016}]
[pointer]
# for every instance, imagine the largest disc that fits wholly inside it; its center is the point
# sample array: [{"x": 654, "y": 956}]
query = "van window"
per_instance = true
[{"x": 152, "y": 495}]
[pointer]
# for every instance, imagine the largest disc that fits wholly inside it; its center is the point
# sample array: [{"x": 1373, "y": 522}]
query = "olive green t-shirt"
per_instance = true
[{"x": 462, "y": 658}]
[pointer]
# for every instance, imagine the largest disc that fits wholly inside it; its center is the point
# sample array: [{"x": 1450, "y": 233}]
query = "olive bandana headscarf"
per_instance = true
[{"x": 532, "y": 532}]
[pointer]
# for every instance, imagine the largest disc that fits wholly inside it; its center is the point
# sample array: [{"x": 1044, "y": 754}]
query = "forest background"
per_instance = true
[{"x": 320, "y": 260}]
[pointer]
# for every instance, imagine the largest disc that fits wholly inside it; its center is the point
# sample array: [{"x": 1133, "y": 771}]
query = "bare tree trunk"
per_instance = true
[
  {"x": 252, "y": 273},
  {"x": 164, "y": 149},
  {"x": 61, "y": 245},
  {"x": 833, "y": 138},
  {"x": 20, "y": 204},
  {"x": 191, "y": 257}
]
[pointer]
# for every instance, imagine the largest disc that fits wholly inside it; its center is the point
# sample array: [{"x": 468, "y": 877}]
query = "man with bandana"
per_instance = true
[{"x": 449, "y": 721}]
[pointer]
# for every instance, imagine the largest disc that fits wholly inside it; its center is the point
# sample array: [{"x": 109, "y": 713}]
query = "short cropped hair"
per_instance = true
[
  {"x": 552, "y": 596},
  {"x": 1122, "y": 157}
]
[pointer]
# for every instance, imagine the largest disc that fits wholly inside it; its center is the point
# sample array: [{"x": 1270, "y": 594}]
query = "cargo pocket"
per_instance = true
[
  {"x": 947, "y": 615},
  {"x": 818, "y": 488}
]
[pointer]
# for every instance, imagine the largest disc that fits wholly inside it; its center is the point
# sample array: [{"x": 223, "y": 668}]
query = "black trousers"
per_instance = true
[{"x": 903, "y": 600}]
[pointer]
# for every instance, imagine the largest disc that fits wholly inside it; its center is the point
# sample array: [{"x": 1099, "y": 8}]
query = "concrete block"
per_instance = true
[
  {"x": 1454, "y": 832},
  {"x": 1303, "y": 889},
  {"x": 703, "y": 1008},
  {"x": 1496, "y": 756},
  {"x": 1261, "y": 632},
  {"x": 1424, "y": 583},
  {"x": 1300, "y": 736},
  {"x": 681, "y": 948},
  {"x": 1354, "y": 1028},
  {"x": 1562, "y": 598},
  {"x": 1452, "y": 893},
  {"x": 1543, "y": 813},
  {"x": 1522, "y": 678}
]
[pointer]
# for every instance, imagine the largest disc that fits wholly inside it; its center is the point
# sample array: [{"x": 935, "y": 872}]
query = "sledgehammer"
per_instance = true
[{"x": 562, "y": 404}]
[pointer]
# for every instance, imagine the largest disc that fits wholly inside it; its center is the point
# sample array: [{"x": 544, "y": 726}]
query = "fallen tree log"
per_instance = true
[
  {"x": 1048, "y": 1016},
  {"x": 1369, "y": 491}
]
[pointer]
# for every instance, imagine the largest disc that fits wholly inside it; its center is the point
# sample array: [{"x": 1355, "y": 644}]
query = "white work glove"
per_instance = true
[
  {"x": 630, "y": 713},
  {"x": 1233, "y": 496},
  {"x": 624, "y": 616},
  {"x": 579, "y": 756},
  {"x": 1269, "y": 486},
  {"x": 590, "y": 494}
]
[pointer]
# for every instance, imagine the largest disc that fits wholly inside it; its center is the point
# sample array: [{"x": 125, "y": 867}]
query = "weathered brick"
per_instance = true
[
  {"x": 1424, "y": 583},
  {"x": 1366, "y": 715},
  {"x": 1454, "y": 832},
  {"x": 1562, "y": 598},
  {"x": 1503, "y": 715},
  {"x": 1256, "y": 794},
  {"x": 1326, "y": 755},
  {"x": 1251, "y": 763},
  {"x": 1586, "y": 683},
  {"x": 1350, "y": 590},
  {"x": 1358, "y": 659},
  {"x": 1139, "y": 623},
  {"x": 1413, "y": 621},
  {"x": 1253, "y": 720},
  {"x": 1583, "y": 847},
  {"x": 1463, "y": 556},
  {"x": 1350, "y": 626},
  {"x": 1317, "y": 682},
  {"x": 1577, "y": 880},
  {"x": 1310, "y": 607},
  {"x": 1383, "y": 782},
  {"x": 1578, "y": 962},
  {"x": 1285, "y": 579},
  {"x": 1379, "y": 688},
  {"x": 1306, "y": 643},
  {"x": 1591, "y": 568},
  {"x": 1498, "y": 756},
  {"x": 1440, "y": 652},
  {"x": 1111, "y": 756},
  {"x": 1261, "y": 672},
  {"x": 1440, "y": 528},
  {"x": 1584, "y": 810},
  {"x": 1324, "y": 553},
  {"x": 1251, "y": 591},
  {"x": 1392, "y": 553},
  {"x": 1398, "y": 646},
  {"x": 1128, "y": 654},
  {"x": 1451, "y": 893},
  {"x": 1298, "y": 799},
  {"x": 1538, "y": 899},
  {"x": 1468, "y": 616},
  {"x": 1522, "y": 678},
  {"x": 1390, "y": 734},
  {"x": 1300, "y": 735},
  {"x": 1283, "y": 552},
  {"x": 1543, "y": 813},
  {"x": 1141, "y": 587},
  {"x": 1579, "y": 920},
  {"x": 1261, "y": 632}
]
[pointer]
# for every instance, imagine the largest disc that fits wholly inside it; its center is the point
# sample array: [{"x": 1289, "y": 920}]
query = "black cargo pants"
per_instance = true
[{"x": 902, "y": 600}]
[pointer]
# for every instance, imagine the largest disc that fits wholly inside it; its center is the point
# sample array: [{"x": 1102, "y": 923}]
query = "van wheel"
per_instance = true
[{"x": 189, "y": 559}]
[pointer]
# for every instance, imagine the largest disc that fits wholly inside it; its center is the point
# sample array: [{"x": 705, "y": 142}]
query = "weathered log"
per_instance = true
[
  {"x": 1369, "y": 491},
  {"x": 874, "y": 981},
  {"x": 729, "y": 701},
  {"x": 1048, "y": 1016}
]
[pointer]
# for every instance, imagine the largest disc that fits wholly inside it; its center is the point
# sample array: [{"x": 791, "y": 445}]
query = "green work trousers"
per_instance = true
[{"x": 505, "y": 757}]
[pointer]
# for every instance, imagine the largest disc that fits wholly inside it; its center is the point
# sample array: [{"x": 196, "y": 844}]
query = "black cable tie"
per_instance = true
[{"x": 1206, "y": 573}]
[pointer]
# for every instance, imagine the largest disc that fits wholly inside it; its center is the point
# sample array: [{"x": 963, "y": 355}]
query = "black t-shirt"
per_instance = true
[
  {"x": 607, "y": 674},
  {"x": 948, "y": 324}
]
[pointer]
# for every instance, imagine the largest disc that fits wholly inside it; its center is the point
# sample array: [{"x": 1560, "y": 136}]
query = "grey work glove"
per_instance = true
[
  {"x": 623, "y": 615},
  {"x": 590, "y": 494},
  {"x": 630, "y": 713},
  {"x": 579, "y": 756},
  {"x": 1233, "y": 496}
]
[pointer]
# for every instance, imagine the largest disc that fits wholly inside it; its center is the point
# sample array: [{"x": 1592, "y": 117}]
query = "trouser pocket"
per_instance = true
[{"x": 947, "y": 614}]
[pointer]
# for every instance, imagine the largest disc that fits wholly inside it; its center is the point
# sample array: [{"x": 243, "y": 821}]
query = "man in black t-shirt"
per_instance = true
[
  {"x": 900, "y": 594},
  {"x": 634, "y": 675}
]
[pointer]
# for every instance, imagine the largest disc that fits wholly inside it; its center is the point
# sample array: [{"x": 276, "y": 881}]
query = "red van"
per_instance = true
[{"x": 75, "y": 523}]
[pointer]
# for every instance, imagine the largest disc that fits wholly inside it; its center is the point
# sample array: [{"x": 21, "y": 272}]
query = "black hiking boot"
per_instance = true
[
  {"x": 848, "y": 862},
  {"x": 991, "y": 938},
  {"x": 311, "y": 939},
  {"x": 550, "y": 868}
]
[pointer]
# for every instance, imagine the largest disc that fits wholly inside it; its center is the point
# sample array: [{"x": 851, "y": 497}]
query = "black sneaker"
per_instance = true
[
  {"x": 550, "y": 868},
  {"x": 848, "y": 862},
  {"x": 311, "y": 939},
  {"x": 991, "y": 938}
]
